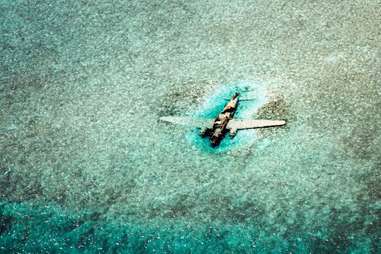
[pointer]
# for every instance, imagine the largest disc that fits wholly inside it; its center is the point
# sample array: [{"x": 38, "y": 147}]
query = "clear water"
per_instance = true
[
  {"x": 86, "y": 167},
  {"x": 252, "y": 98}
]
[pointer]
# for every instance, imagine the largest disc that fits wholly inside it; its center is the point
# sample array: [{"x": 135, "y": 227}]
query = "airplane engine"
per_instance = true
[
  {"x": 204, "y": 132},
  {"x": 233, "y": 132},
  {"x": 217, "y": 132},
  {"x": 216, "y": 137}
]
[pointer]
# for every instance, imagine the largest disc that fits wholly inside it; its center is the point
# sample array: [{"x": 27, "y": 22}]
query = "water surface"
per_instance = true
[{"x": 85, "y": 165}]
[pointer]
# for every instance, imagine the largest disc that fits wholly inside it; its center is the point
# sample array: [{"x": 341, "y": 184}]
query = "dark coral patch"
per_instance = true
[
  {"x": 5, "y": 223},
  {"x": 179, "y": 100}
]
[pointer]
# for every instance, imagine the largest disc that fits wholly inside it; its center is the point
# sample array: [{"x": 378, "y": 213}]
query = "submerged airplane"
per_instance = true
[{"x": 216, "y": 129}]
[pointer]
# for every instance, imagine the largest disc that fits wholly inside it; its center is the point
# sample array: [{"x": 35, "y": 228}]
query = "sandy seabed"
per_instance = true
[{"x": 86, "y": 167}]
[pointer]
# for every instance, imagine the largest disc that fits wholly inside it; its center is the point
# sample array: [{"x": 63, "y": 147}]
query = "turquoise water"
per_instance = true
[
  {"x": 87, "y": 167},
  {"x": 252, "y": 98}
]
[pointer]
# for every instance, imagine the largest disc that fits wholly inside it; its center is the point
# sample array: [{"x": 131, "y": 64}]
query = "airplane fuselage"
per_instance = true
[
  {"x": 220, "y": 123},
  {"x": 216, "y": 129}
]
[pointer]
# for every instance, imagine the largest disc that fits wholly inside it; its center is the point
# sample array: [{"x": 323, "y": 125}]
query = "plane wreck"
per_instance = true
[{"x": 216, "y": 129}]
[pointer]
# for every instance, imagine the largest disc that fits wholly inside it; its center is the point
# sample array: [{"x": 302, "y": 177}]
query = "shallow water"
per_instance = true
[{"x": 85, "y": 165}]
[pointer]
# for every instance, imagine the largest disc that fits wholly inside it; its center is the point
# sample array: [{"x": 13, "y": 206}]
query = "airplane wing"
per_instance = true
[
  {"x": 188, "y": 121},
  {"x": 252, "y": 124}
]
